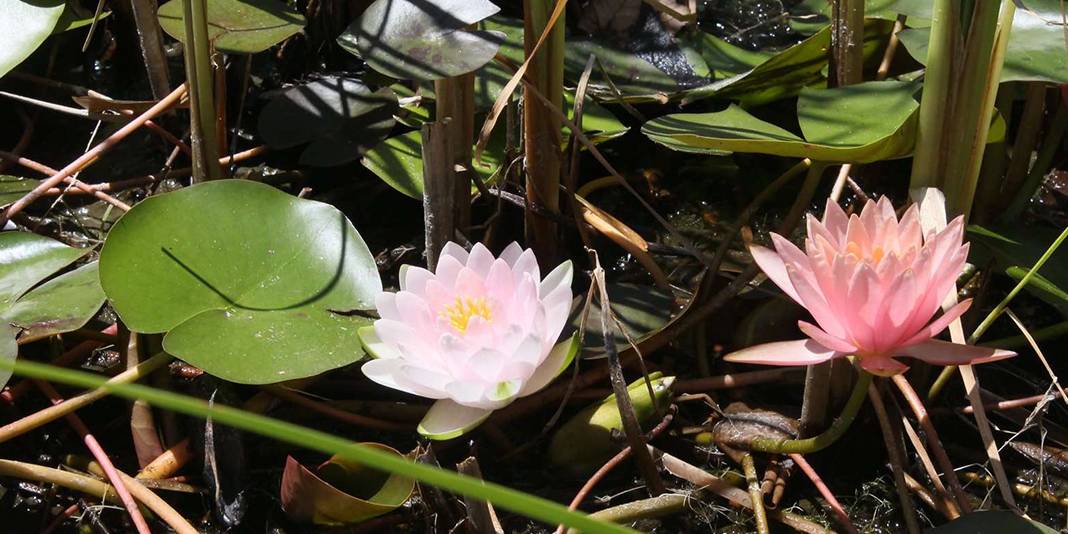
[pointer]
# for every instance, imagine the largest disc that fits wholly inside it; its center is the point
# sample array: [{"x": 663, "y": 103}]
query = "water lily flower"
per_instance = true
[
  {"x": 873, "y": 284},
  {"x": 476, "y": 334}
]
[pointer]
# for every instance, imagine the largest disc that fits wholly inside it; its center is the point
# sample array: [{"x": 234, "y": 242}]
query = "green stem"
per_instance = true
[
  {"x": 947, "y": 372},
  {"x": 931, "y": 136},
  {"x": 529, "y": 505},
  {"x": 198, "y": 71},
  {"x": 828, "y": 437}
]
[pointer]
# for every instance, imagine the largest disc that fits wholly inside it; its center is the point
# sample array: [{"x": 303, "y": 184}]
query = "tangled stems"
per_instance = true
[{"x": 829, "y": 436}]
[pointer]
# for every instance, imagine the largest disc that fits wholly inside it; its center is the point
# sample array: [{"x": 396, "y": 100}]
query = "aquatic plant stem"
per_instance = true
[
  {"x": 92, "y": 154},
  {"x": 829, "y": 436},
  {"x": 198, "y": 72},
  {"x": 947, "y": 372},
  {"x": 760, "y": 516},
  {"x": 892, "y": 440},
  {"x": 101, "y": 457},
  {"x": 932, "y": 136},
  {"x": 42, "y": 417},
  {"x": 529, "y": 505},
  {"x": 933, "y": 441},
  {"x": 832, "y": 501},
  {"x": 541, "y": 128}
]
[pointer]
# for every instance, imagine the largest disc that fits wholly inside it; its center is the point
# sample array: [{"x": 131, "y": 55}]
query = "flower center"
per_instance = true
[
  {"x": 459, "y": 313},
  {"x": 856, "y": 250}
]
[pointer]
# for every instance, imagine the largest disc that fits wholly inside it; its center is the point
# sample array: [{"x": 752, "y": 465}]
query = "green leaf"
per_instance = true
[
  {"x": 1014, "y": 248},
  {"x": 1036, "y": 49},
  {"x": 859, "y": 123},
  {"x": 9, "y": 350},
  {"x": 529, "y": 505},
  {"x": 399, "y": 160},
  {"x": 422, "y": 39},
  {"x": 238, "y": 26},
  {"x": 13, "y": 188},
  {"x": 339, "y": 118},
  {"x": 341, "y": 491},
  {"x": 786, "y": 73},
  {"x": 811, "y": 16},
  {"x": 244, "y": 278},
  {"x": 642, "y": 310},
  {"x": 992, "y": 522},
  {"x": 62, "y": 304},
  {"x": 585, "y": 441},
  {"x": 75, "y": 17},
  {"x": 25, "y": 24},
  {"x": 26, "y": 259}
]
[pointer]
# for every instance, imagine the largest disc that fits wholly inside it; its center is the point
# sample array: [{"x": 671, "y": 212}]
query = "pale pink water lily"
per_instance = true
[
  {"x": 477, "y": 333},
  {"x": 873, "y": 284}
]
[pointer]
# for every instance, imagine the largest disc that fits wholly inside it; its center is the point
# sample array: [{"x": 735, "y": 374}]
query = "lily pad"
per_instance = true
[
  {"x": 238, "y": 26},
  {"x": 25, "y": 24},
  {"x": 422, "y": 39},
  {"x": 243, "y": 278},
  {"x": 25, "y": 260},
  {"x": 811, "y": 16},
  {"x": 859, "y": 123},
  {"x": 399, "y": 160},
  {"x": 992, "y": 522},
  {"x": 13, "y": 188},
  {"x": 341, "y": 492},
  {"x": 1036, "y": 50},
  {"x": 339, "y": 118},
  {"x": 642, "y": 310},
  {"x": 62, "y": 304},
  {"x": 786, "y": 73}
]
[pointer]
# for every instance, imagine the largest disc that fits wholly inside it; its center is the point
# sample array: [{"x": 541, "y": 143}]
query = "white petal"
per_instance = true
[
  {"x": 455, "y": 251},
  {"x": 390, "y": 373},
  {"x": 386, "y": 305},
  {"x": 511, "y": 253},
  {"x": 447, "y": 420},
  {"x": 476, "y": 394},
  {"x": 555, "y": 363},
  {"x": 526, "y": 265},
  {"x": 561, "y": 276},
  {"x": 374, "y": 346},
  {"x": 414, "y": 279},
  {"x": 480, "y": 259}
]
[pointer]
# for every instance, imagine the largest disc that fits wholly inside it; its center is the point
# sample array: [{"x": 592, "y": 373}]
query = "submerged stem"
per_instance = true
[{"x": 828, "y": 437}]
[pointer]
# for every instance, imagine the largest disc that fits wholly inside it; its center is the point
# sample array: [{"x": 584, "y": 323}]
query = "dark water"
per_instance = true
[{"x": 750, "y": 24}]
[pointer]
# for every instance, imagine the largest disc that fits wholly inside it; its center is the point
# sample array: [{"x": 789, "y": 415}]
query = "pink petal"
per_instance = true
[
  {"x": 814, "y": 302},
  {"x": 938, "y": 352},
  {"x": 558, "y": 359},
  {"x": 799, "y": 352},
  {"x": 882, "y": 365},
  {"x": 825, "y": 339},
  {"x": 909, "y": 233},
  {"x": 499, "y": 282},
  {"x": 772, "y": 265},
  {"x": 447, "y": 269},
  {"x": 836, "y": 221},
  {"x": 939, "y": 324}
]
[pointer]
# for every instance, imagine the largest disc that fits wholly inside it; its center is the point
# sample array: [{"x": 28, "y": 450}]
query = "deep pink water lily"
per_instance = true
[
  {"x": 477, "y": 333},
  {"x": 873, "y": 284}
]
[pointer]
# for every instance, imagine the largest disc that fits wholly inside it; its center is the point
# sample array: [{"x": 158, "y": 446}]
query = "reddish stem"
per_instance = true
[
  {"x": 836, "y": 506},
  {"x": 101, "y": 458}
]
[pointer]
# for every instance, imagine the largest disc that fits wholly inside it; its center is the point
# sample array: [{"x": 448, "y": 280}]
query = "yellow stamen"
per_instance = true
[{"x": 459, "y": 314}]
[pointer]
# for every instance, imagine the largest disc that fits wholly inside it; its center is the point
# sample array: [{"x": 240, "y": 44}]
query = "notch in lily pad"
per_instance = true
[
  {"x": 244, "y": 279},
  {"x": 423, "y": 39},
  {"x": 339, "y": 119}
]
